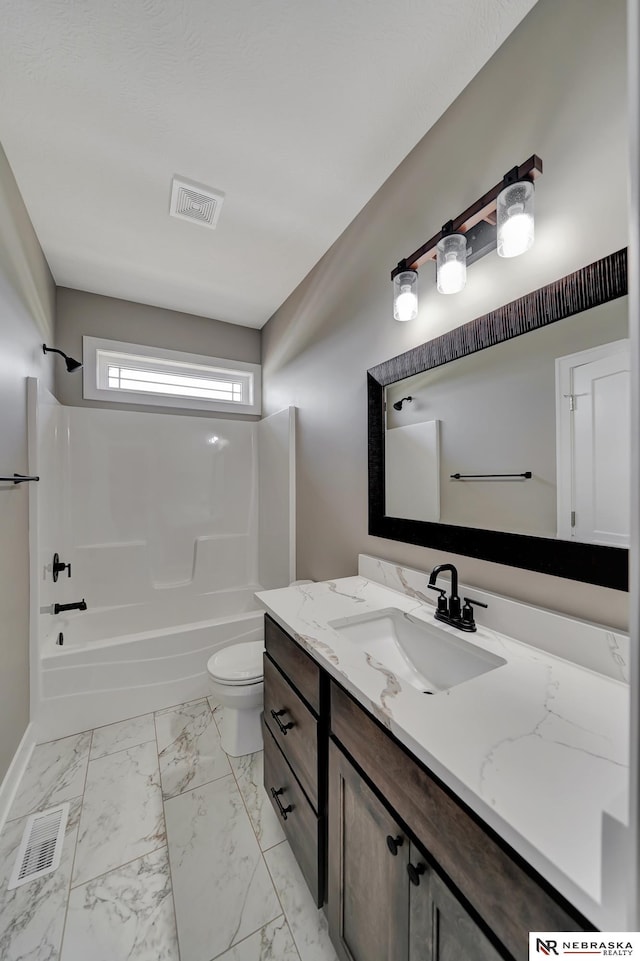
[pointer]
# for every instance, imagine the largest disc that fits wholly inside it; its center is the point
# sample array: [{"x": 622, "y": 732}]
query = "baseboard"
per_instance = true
[{"x": 12, "y": 778}]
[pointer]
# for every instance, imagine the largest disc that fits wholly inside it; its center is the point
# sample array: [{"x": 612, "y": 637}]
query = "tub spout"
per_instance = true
[{"x": 76, "y": 606}]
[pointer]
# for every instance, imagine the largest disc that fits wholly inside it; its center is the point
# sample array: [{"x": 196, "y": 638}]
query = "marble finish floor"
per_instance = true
[{"x": 172, "y": 852}]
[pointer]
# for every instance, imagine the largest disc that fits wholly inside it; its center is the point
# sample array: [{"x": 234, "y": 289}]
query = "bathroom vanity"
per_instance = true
[{"x": 400, "y": 809}]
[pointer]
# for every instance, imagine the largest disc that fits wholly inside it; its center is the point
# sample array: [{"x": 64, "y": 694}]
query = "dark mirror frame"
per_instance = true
[{"x": 591, "y": 286}]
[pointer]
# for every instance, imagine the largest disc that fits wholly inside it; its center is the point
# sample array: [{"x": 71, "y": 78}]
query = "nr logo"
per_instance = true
[{"x": 546, "y": 947}]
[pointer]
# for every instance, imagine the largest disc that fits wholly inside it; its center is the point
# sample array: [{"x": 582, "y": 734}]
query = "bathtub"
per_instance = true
[{"x": 120, "y": 662}]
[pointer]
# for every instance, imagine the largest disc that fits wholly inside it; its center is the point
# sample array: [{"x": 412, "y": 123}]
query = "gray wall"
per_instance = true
[
  {"x": 79, "y": 313},
  {"x": 27, "y": 298},
  {"x": 556, "y": 88}
]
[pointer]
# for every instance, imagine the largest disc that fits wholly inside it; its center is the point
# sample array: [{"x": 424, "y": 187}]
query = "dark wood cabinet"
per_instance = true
[
  {"x": 294, "y": 728},
  {"x": 294, "y": 663},
  {"x": 298, "y": 819},
  {"x": 368, "y": 907},
  {"x": 385, "y": 900},
  {"x": 507, "y": 895},
  {"x": 441, "y": 929},
  {"x": 295, "y": 746}
]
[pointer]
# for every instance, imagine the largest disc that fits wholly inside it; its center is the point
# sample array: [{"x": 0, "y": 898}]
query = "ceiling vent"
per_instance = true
[{"x": 195, "y": 202}]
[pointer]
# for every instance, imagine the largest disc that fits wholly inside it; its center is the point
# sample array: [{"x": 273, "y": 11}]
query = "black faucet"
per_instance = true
[
  {"x": 76, "y": 606},
  {"x": 449, "y": 610}
]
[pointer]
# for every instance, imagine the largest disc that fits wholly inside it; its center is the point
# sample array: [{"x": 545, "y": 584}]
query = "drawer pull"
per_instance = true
[
  {"x": 283, "y": 811},
  {"x": 414, "y": 871},
  {"x": 394, "y": 843},
  {"x": 276, "y": 715}
]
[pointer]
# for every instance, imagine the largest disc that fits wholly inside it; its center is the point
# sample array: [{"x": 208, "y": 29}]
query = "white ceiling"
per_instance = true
[{"x": 297, "y": 110}]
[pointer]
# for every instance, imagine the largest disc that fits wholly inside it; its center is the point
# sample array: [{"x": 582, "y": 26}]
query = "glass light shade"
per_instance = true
[
  {"x": 515, "y": 219},
  {"x": 451, "y": 263},
  {"x": 405, "y": 295}
]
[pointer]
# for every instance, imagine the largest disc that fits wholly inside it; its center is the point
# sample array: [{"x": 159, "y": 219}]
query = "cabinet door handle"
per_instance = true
[
  {"x": 283, "y": 811},
  {"x": 276, "y": 715},
  {"x": 394, "y": 843},
  {"x": 414, "y": 871}
]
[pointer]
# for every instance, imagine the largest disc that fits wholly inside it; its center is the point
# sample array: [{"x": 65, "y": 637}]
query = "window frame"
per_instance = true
[{"x": 98, "y": 354}]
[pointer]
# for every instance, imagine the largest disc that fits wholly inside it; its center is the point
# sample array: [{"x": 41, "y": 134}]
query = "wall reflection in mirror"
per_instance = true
[{"x": 553, "y": 402}]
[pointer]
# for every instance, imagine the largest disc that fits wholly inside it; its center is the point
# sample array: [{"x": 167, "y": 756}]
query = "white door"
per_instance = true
[{"x": 594, "y": 465}]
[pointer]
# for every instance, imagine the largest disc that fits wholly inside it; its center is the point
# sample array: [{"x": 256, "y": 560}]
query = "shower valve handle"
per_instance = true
[{"x": 59, "y": 566}]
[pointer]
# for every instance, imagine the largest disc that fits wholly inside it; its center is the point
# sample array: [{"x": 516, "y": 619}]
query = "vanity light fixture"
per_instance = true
[
  {"x": 451, "y": 263},
  {"x": 405, "y": 295},
  {"x": 515, "y": 219},
  {"x": 502, "y": 218}
]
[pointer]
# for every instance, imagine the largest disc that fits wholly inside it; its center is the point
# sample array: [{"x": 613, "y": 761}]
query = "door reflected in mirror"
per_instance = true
[{"x": 553, "y": 404}]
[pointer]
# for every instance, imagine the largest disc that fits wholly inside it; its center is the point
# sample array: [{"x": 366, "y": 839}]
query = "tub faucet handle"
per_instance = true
[{"x": 59, "y": 566}]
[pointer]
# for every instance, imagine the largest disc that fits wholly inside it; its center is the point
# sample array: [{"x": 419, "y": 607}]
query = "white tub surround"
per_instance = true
[
  {"x": 538, "y": 747},
  {"x": 157, "y": 514},
  {"x": 124, "y": 676}
]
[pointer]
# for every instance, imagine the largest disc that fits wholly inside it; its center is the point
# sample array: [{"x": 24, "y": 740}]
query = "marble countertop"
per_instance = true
[{"x": 538, "y": 747}]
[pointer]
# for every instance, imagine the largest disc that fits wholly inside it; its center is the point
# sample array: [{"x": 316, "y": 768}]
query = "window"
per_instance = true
[{"x": 134, "y": 374}]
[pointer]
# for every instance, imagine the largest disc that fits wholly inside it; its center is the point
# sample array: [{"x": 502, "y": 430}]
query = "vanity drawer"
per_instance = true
[
  {"x": 300, "y": 825},
  {"x": 511, "y": 897},
  {"x": 301, "y": 669},
  {"x": 298, "y": 742}
]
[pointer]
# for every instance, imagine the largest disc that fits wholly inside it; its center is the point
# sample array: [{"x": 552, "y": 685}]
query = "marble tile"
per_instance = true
[
  {"x": 189, "y": 748},
  {"x": 308, "y": 924},
  {"x": 271, "y": 943},
  {"x": 222, "y": 888},
  {"x": 219, "y": 719},
  {"x": 122, "y": 735},
  {"x": 55, "y": 773},
  {"x": 32, "y": 916},
  {"x": 215, "y": 707},
  {"x": 249, "y": 772},
  {"x": 127, "y": 913},
  {"x": 122, "y": 816}
]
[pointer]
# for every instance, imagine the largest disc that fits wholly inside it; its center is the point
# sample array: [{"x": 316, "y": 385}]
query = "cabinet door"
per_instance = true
[
  {"x": 440, "y": 927},
  {"x": 368, "y": 906}
]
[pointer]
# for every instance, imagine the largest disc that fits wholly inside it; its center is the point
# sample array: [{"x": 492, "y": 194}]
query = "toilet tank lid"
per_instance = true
[{"x": 237, "y": 662}]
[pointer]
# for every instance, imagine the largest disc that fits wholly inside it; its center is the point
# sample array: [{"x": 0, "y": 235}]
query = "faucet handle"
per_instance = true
[
  {"x": 59, "y": 566},
  {"x": 467, "y": 613},
  {"x": 442, "y": 607}
]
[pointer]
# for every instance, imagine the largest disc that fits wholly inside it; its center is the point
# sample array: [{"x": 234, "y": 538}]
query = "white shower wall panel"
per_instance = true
[
  {"x": 161, "y": 502},
  {"x": 49, "y": 420},
  {"x": 158, "y": 515},
  {"x": 277, "y": 500}
]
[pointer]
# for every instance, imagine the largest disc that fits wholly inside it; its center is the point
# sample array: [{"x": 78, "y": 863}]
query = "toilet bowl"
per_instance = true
[{"x": 236, "y": 681}]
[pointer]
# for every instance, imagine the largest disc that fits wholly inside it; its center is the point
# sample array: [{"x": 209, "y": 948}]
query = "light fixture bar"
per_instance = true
[{"x": 482, "y": 209}]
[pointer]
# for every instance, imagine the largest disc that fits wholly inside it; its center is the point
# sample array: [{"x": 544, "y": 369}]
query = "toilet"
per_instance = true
[{"x": 236, "y": 679}]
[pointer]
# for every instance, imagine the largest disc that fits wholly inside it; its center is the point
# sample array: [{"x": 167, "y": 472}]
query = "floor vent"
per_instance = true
[
  {"x": 41, "y": 846},
  {"x": 195, "y": 202}
]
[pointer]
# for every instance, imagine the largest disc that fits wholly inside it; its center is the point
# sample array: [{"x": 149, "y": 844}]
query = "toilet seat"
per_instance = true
[{"x": 239, "y": 665}]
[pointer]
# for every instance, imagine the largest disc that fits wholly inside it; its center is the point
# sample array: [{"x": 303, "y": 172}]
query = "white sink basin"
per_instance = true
[{"x": 417, "y": 651}]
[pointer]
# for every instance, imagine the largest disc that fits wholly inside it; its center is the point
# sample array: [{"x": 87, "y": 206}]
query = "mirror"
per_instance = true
[{"x": 518, "y": 453}]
